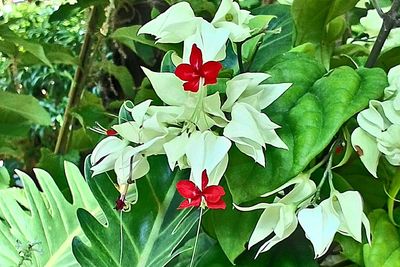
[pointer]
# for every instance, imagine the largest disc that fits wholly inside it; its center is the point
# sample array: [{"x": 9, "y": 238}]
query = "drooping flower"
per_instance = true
[
  {"x": 279, "y": 218},
  {"x": 341, "y": 212},
  {"x": 208, "y": 196},
  {"x": 196, "y": 73},
  {"x": 320, "y": 226}
]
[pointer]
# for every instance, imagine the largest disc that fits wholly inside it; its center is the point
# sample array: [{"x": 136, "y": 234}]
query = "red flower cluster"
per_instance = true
[
  {"x": 191, "y": 73},
  {"x": 212, "y": 195}
]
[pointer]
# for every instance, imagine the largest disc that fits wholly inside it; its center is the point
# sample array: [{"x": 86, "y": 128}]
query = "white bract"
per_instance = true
[
  {"x": 230, "y": 17},
  {"x": 379, "y": 129},
  {"x": 106, "y": 153},
  {"x": 279, "y": 218},
  {"x": 342, "y": 212},
  {"x": 175, "y": 25},
  {"x": 249, "y": 128}
]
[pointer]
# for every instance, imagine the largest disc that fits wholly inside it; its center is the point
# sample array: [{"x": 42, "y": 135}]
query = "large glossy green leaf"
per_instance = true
[
  {"x": 310, "y": 113},
  {"x": 45, "y": 220},
  {"x": 385, "y": 248},
  {"x": 151, "y": 231},
  {"x": 274, "y": 44}
]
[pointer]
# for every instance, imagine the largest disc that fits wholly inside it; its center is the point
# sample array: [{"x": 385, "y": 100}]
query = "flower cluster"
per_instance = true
[
  {"x": 379, "y": 129},
  {"x": 341, "y": 212},
  {"x": 195, "y": 128}
]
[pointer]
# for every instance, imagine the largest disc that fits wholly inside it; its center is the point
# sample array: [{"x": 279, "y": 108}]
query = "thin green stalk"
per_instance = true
[
  {"x": 197, "y": 238},
  {"x": 240, "y": 57},
  {"x": 78, "y": 83}
]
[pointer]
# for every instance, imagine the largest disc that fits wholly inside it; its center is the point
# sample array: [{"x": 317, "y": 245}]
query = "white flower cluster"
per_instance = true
[
  {"x": 195, "y": 130},
  {"x": 379, "y": 131},
  {"x": 341, "y": 212}
]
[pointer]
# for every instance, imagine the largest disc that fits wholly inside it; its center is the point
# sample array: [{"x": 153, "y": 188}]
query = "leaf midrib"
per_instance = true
[{"x": 157, "y": 223}]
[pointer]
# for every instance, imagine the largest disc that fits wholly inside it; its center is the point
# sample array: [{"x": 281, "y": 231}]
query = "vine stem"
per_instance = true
[
  {"x": 197, "y": 238},
  {"x": 390, "y": 21},
  {"x": 78, "y": 83}
]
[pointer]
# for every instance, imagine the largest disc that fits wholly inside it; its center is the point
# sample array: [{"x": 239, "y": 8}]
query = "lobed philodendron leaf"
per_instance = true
[
  {"x": 311, "y": 112},
  {"x": 150, "y": 232},
  {"x": 37, "y": 228}
]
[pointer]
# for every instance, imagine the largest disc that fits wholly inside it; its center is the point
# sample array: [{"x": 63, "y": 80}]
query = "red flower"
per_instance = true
[
  {"x": 193, "y": 72},
  {"x": 211, "y": 195}
]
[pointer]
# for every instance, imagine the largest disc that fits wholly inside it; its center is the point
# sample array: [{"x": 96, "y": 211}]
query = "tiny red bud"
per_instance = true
[
  {"x": 111, "y": 132},
  {"x": 339, "y": 150},
  {"x": 119, "y": 204}
]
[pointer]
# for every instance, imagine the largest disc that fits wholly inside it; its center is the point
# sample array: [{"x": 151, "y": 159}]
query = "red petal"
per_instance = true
[
  {"x": 204, "y": 179},
  {"x": 210, "y": 71},
  {"x": 187, "y": 189},
  {"x": 186, "y": 72},
  {"x": 187, "y": 204},
  {"x": 218, "y": 205},
  {"x": 196, "y": 57},
  {"x": 213, "y": 193},
  {"x": 192, "y": 86}
]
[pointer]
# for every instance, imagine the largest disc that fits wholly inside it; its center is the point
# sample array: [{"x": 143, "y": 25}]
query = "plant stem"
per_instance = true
[
  {"x": 390, "y": 21},
  {"x": 197, "y": 237},
  {"x": 78, "y": 83},
  {"x": 240, "y": 57}
]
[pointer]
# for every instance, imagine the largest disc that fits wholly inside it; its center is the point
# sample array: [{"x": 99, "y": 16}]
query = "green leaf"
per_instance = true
[
  {"x": 225, "y": 224},
  {"x": 19, "y": 112},
  {"x": 311, "y": 17},
  {"x": 67, "y": 11},
  {"x": 310, "y": 113},
  {"x": 128, "y": 36},
  {"x": 385, "y": 248},
  {"x": 4, "y": 178},
  {"x": 166, "y": 64},
  {"x": 54, "y": 165},
  {"x": 148, "y": 231},
  {"x": 32, "y": 47},
  {"x": 351, "y": 249},
  {"x": 47, "y": 220},
  {"x": 274, "y": 44},
  {"x": 121, "y": 73}
]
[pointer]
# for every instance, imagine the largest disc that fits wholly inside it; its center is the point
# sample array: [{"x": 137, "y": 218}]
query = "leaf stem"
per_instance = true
[
  {"x": 390, "y": 21},
  {"x": 240, "y": 57},
  {"x": 78, "y": 83},
  {"x": 197, "y": 238}
]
